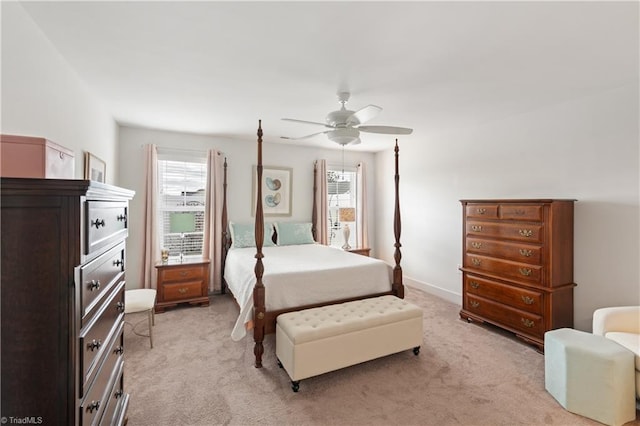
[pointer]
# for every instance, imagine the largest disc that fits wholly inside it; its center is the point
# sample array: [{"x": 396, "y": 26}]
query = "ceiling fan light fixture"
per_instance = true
[{"x": 344, "y": 136}]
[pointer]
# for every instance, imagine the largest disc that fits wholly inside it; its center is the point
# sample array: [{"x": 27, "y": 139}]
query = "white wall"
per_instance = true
[
  {"x": 42, "y": 96},
  {"x": 241, "y": 157},
  {"x": 586, "y": 149}
]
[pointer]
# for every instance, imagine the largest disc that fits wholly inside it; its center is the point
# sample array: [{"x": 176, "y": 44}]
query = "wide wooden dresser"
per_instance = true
[
  {"x": 518, "y": 265},
  {"x": 63, "y": 278}
]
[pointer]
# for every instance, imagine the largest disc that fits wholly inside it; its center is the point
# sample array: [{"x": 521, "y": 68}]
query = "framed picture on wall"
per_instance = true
[
  {"x": 94, "y": 168},
  {"x": 276, "y": 191}
]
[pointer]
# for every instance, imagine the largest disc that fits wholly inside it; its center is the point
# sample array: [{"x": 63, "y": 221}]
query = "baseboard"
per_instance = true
[{"x": 445, "y": 294}]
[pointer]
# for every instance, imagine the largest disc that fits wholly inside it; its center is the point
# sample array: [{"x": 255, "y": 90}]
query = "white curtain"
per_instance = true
[
  {"x": 151, "y": 247},
  {"x": 362, "y": 224},
  {"x": 213, "y": 218},
  {"x": 322, "y": 208}
]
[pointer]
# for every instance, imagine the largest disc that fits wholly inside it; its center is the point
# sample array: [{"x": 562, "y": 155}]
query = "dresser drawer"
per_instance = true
[
  {"x": 527, "y": 300},
  {"x": 524, "y": 212},
  {"x": 518, "y": 232},
  {"x": 487, "y": 211},
  {"x": 94, "y": 338},
  {"x": 182, "y": 273},
  {"x": 105, "y": 224},
  {"x": 513, "y": 251},
  {"x": 185, "y": 290},
  {"x": 96, "y": 277},
  {"x": 115, "y": 400},
  {"x": 505, "y": 316},
  {"x": 505, "y": 268}
]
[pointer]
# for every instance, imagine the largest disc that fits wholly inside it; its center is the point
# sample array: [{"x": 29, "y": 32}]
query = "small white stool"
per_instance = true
[
  {"x": 141, "y": 300},
  {"x": 590, "y": 375}
]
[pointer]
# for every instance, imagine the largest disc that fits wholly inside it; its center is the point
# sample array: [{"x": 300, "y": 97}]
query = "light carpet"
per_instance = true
[{"x": 466, "y": 374}]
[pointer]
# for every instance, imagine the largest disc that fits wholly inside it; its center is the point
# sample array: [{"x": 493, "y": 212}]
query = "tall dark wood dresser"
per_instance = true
[
  {"x": 518, "y": 265},
  {"x": 63, "y": 277}
]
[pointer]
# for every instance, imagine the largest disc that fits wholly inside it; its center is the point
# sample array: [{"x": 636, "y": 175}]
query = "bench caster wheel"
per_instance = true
[
  {"x": 416, "y": 350},
  {"x": 295, "y": 386},
  {"x": 280, "y": 364}
]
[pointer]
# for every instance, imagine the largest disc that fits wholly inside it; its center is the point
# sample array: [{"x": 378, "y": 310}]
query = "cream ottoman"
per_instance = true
[
  {"x": 590, "y": 375},
  {"x": 318, "y": 340}
]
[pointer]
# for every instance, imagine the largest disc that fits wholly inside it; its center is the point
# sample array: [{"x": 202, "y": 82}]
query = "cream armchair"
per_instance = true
[{"x": 622, "y": 325}]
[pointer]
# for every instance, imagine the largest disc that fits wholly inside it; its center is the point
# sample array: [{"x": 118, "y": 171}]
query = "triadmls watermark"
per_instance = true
[{"x": 26, "y": 420}]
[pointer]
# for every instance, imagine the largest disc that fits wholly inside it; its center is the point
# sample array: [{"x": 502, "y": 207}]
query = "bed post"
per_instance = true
[
  {"x": 314, "y": 213},
  {"x": 258, "y": 290},
  {"x": 225, "y": 237},
  {"x": 398, "y": 287}
]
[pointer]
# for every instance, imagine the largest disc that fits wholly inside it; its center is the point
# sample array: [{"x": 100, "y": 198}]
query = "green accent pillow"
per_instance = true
[
  {"x": 293, "y": 233},
  {"x": 243, "y": 235}
]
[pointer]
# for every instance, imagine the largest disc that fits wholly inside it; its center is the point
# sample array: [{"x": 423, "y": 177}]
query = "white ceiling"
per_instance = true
[{"x": 217, "y": 67}]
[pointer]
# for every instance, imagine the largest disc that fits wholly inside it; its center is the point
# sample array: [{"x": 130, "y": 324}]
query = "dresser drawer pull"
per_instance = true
[
  {"x": 476, "y": 228},
  {"x": 481, "y": 210},
  {"x": 94, "y": 285},
  {"x": 527, "y": 300},
  {"x": 525, "y": 271},
  {"x": 93, "y": 406},
  {"x": 519, "y": 212},
  {"x": 474, "y": 304},
  {"x": 526, "y": 232},
  {"x": 120, "y": 307},
  {"x": 184, "y": 273},
  {"x": 474, "y": 284},
  {"x": 97, "y": 223},
  {"x": 527, "y": 322},
  {"x": 121, "y": 218},
  {"x": 476, "y": 261},
  {"x": 118, "y": 394},
  {"x": 118, "y": 262},
  {"x": 526, "y": 253},
  {"x": 94, "y": 344},
  {"x": 182, "y": 290},
  {"x": 476, "y": 245},
  {"x": 119, "y": 350}
]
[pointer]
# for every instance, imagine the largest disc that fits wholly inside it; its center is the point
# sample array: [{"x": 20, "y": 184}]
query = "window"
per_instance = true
[
  {"x": 181, "y": 204},
  {"x": 342, "y": 205}
]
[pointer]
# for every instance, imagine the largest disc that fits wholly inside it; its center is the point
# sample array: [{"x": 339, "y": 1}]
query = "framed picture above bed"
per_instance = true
[{"x": 276, "y": 191}]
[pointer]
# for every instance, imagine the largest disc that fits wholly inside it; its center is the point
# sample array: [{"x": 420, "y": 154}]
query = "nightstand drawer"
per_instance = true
[
  {"x": 184, "y": 290},
  {"x": 186, "y": 273}
]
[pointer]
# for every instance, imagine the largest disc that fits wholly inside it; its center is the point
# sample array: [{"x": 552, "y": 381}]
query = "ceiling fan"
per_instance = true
[{"x": 345, "y": 125}]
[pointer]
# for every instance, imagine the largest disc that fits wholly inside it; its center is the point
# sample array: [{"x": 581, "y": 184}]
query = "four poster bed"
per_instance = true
[{"x": 298, "y": 276}]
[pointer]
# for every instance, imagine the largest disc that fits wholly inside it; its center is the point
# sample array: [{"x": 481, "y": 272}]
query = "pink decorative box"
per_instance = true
[{"x": 31, "y": 157}]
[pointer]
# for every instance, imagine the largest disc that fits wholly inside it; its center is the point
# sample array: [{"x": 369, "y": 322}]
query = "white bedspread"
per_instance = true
[{"x": 300, "y": 275}]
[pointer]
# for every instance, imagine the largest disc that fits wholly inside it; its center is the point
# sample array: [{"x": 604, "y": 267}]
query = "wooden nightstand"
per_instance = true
[
  {"x": 185, "y": 282},
  {"x": 362, "y": 251}
]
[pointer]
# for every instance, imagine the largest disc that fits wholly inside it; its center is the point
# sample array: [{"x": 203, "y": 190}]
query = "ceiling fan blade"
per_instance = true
[
  {"x": 387, "y": 130},
  {"x": 307, "y": 122},
  {"x": 305, "y": 137},
  {"x": 363, "y": 115}
]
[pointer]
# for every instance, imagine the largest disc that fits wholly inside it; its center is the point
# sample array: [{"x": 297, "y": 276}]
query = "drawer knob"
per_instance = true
[
  {"x": 118, "y": 393},
  {"x": 527, "y": 300},
  {"x": 525, "y": 271},
  {"x": 474, "y": 303},
  {"x": 97, "y": 223},
  {"x": 182, "y": 290},
  {"x": 476, "y": 244},
  {"x": 526, "y": 253},
  {"x": 481, "y": 210},
  {"x": 94, "y": 285},
  {"x": 94, "y": 344},
  {"x": 121, "y": 218},
  {"x": 525, "y": 232},
  {"x": 93, "y": 406},
  {"x": 474, "y": 284},
  {"x": 119, "y": 350},
  {"x": 527, "y": 322},
  {"x": 118, "y": 262},
  {"x": 476, "y": 261},
  {"x": 476, "y": 228},
  {"x": 120, "y": 306}
]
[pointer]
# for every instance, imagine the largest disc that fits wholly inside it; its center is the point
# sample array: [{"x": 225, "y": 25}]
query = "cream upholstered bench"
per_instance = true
[
  {"x": 590, "y": 375},
  {"x": 318, "y": 340}
]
